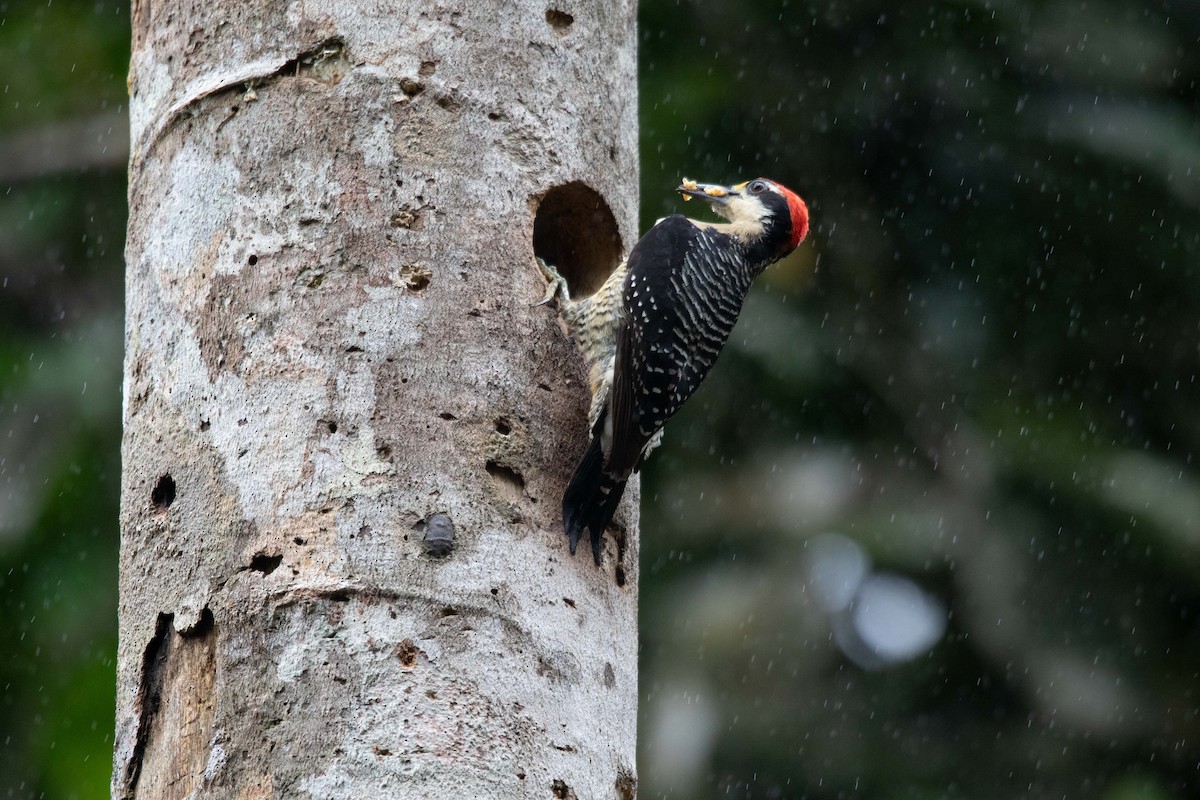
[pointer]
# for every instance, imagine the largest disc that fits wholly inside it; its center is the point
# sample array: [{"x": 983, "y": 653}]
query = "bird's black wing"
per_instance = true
[{"x": 682, "y": 297}]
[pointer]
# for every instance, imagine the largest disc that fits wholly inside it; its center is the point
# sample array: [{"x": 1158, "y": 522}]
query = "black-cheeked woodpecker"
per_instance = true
[{"x": 653, "y": 331}]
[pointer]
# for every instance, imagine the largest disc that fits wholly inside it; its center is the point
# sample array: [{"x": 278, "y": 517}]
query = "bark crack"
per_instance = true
[
  {"x": 325, "y": 61},
  {"x": 175, "y": 706},
  {"x": 149, "y": 699}
]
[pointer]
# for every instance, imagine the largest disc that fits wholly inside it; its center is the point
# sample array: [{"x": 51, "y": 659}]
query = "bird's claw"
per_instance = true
[{"x": 556, "y": 284}]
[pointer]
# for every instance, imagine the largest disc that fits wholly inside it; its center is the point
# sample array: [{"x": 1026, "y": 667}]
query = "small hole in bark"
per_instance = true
[
  {"x": 449, "y": 611},
  {"x": 575, "y": 232},
  {"x": 264, "y": 563},
  {"x": 163, "y": 493},
  {"x": 495, "y": 592},
  {"x": 521, "y": 775},
  {"x": 332, "y": 426},
  {"x": 559, "y": 20},
  {"x": 569, "y": 602},
  {"x": 620, "y": 574},
  {"x": 384, "y": 451},
  {"x": 503, "y": 427},
  {"x": 252, "y": 260},
  {"x": 407, "y": 651},
  {"x": 560, "y": 789},
  {"x": 298, "y": 540},
  {"x": 446, "y": 415},
  {"x": 204, "y": 425}
]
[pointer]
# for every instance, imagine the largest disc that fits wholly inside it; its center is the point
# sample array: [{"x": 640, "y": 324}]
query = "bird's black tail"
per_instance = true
[{"x": 591, "y": 499}]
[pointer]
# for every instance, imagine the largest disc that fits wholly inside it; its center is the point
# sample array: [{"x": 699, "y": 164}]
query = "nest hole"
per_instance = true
[
  {"x": 575, "y": 231},
  {"x": 560, "y": 21},
  {"x": 266, "y": 563},
  {"x": 163, "y": 493}
]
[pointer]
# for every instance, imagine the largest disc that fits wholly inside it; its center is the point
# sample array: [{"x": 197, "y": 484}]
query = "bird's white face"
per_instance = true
[
  {"x": 750, "y": 207},
  {"x": 746, "y": 212},
  {"x": 741, "y": 204}
]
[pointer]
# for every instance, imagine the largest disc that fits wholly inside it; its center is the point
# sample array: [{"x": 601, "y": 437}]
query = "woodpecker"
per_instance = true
[{"x": 653, "y": 331}]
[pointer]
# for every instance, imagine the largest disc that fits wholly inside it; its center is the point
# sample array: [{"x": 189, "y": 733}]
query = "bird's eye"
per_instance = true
[{"x": 757, "y": 187}]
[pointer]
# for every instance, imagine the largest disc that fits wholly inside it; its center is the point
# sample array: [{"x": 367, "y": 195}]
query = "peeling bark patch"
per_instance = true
[
  {"x": 509, "y": 481},
  {"x": 264, "y": 563},
  {"x": 406, "y": 218},
  {"x": 559, "y": 20},
  {"x": 176, "y": 706},
  {"x": 326, "y": 63},
  {"x": 310, "y": 278},
  {"x": 414, "y": 277},
  {"x": 163, "y": 494}
]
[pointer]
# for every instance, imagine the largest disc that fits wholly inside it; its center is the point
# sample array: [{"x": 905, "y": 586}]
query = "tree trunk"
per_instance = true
[{"x": 331, "y": 341}]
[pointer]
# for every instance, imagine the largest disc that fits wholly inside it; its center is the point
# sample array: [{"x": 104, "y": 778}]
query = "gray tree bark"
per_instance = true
[{"x": 331, "y": 341}]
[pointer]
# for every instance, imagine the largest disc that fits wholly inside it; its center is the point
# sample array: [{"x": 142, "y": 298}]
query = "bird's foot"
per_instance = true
[{"x": 556, "y": 285}]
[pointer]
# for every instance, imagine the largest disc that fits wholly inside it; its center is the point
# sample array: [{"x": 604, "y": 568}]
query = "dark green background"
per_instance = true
[{"x": 981, "y": 368}]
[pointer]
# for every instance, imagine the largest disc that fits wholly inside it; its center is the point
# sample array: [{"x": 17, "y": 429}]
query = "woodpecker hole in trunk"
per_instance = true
[
  {"x": 575, "y": 232},
  {"x": 163, "y": 494}
]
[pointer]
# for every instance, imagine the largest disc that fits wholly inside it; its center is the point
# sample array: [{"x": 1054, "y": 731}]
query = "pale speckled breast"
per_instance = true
[{"x": 595, "y": 321}]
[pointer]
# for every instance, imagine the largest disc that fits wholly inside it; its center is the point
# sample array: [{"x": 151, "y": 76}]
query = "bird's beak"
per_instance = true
[{"x": 714, "y": 193}]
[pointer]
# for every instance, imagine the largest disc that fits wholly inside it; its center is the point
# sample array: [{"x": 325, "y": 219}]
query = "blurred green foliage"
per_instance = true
[
  {"x": 981, "y": 370},
  {"x": 61, "y": 280}
]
